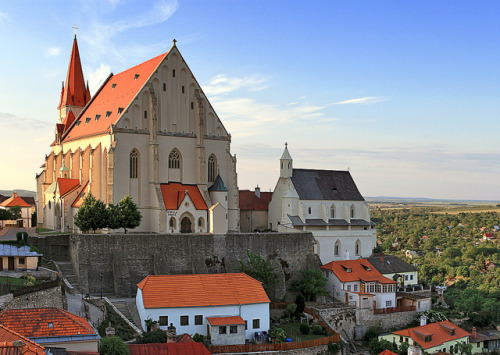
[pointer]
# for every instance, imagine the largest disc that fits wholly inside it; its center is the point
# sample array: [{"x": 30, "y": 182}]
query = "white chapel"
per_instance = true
[{"x": 148, "y": 132}]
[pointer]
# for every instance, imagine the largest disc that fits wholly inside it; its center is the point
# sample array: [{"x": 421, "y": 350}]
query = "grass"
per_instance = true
[
  {"x": 292, "y": 331},
  {"x": 13, "y": 280},
  {"x": 41, "y": 229}
]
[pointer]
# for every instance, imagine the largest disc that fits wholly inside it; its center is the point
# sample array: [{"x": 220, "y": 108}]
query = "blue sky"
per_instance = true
[{"x": 403, "y": 93}]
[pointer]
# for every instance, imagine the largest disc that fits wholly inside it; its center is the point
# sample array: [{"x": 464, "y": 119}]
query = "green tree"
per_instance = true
[
  {"x": 129, "y": 215},
  {"x": 113, "y": 215},
  {"x": 91, "y": 215},
  {"x": 312, "y": 284},
  {"x": 376, "y": 346},
  {"x": 15, "y": 213},
  {"x": 464, "y": 349},
  {"x": 113, "y": 346},
  {"x": 155, "y": 336},
  {"x": 261, "y": 269}
]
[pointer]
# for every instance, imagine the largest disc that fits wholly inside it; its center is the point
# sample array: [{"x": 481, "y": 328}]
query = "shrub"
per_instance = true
[
  {"x": 317, "y": 329},
  {"x": 19, "y": 237},
  {"x": 155, "y": 336},
  {"x": 304, "y": 328},
  {"x": 291, "y": 309},
  {"x": 25, "y": 237},
  {"x": 278, "y": 334},
  {"x": 113, "y": 346}
]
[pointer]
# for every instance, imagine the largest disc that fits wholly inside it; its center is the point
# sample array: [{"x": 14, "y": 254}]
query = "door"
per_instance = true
[
  {"x": 20, "y": 223},
  {"x": 11, "y": 263},
  {"x": 1, "y": 264},
  {"x": 186, "y": 225}
]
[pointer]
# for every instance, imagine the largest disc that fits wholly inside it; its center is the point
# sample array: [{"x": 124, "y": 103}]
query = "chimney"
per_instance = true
[
  {"x": 171, "y": 334},
  {"x": 382, "y": 258},
  {"x": 423, "y": 320},
  {"x": 257, "y": 191},
  {"x": 474, "y": 333},
  {"x": 14, "y": 194}
]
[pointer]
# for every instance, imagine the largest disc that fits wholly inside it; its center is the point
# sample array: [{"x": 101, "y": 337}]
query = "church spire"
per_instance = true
[{"x": 286, "y": 163}]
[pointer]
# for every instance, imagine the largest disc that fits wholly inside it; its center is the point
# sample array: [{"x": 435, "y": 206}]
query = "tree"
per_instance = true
[
  {"x": 91, "y": 215},
  {"x": 464, "y": 349},
  {"x": 113, "y": 346},
  {"x": 154, "y": 336},
  {"x": 259, "y": 268},
  {"x": 113, "y": 214},
  {"x": 129, "y": 214},
  {"x": 15, "y": 213},
  {"x": 376, "y": 346},
  {"x": 312, "y": 284}
]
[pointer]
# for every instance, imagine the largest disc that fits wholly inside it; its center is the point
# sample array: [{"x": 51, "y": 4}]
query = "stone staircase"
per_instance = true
[
  {"x": 128, "y": 308},
  {"x": 66, "y": 269}
]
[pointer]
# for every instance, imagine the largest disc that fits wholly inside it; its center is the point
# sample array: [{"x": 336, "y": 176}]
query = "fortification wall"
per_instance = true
[{"x": 117, "y": 262}]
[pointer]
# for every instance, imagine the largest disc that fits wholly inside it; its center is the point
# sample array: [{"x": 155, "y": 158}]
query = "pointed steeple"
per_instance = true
[
  {"x": 286, "y": 163},
  {"x": 74, "y": 93}
]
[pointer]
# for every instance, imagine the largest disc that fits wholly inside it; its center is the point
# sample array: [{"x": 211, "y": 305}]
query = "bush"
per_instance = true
[
  {"x": 291, "y": 309},
  {"x": 372, "y": 332},
  {"x": 113, "y": 346},
  {"x": 25, "y": 237},
  {"x": 19, "y": 237},
  {"x": 304, "y": 328},
  {"x": 155, "y": 336},
  {"x": 278, "y": 334},
  {"x": 317, "y": 329}
]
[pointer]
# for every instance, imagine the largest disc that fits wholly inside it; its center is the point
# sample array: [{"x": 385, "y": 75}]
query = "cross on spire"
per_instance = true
[
  {"x": 286, "y": 145},
  {"x": 175, "y": 41},
  {"x": 75, "y": 28}
]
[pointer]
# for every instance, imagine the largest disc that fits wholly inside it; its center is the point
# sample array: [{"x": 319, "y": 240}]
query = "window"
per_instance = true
[
  {"x": 406, "y": 277},
  {"x": 182, "y": 89},
  {"x": 212, "y": 168},
  {"x": 174, "y": 160},
  {"x": 134, "y": 158},
  {"x": 113, "y": 86},
  {"x": 97, "y": 117},
  {"x": 51, "y": 325},
  {"x": 357, "y": 248},
  {"x": 145, "y": 114},
  {"x": 120, "y": 110},
  {"x": 411, "y": 277},
  {"x": 246, "y": 325},
  {"x": 233, "y": 329},
  {"x": 355, "y": 288},
  {"x": 200, "y": 222},
  {"x": 173, "y": 73},
  {"x": 352, "y": 211},
  {"x": 222, "y": 330},
  {"x": 400, "y": 339},
  {"x": 87, "y": 120},
  {"x": 309, "y": 210},
  {"x": 164, "y": 87},
  {"x": 336, "y": 248},
  {"x": 184, "y": 320},
  {"x": 332, "y": 212},
  {"x": 136, "y": 76},
  {"x": 198, "y": 320},
  {"x": 22, "y": 261},
  {"x": 163, "y": 320},
  {"x": 192, "y": 105},
  {"x": 256, "y": 323},
  {"x": 171, "y": 224},
  {"x": 108, "y": 113},
  {"x": 348, "y": 287},
  {"x": 78, "y": 122}
]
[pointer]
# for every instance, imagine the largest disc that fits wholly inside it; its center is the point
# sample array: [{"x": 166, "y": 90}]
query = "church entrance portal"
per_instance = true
[{"x": 186, "y": 225}]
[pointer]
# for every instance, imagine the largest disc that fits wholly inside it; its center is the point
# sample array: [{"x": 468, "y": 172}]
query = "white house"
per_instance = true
[
  {"x": 358, "y": 283},
  {"x": 227, "y": 304},
  {"x": 393, "y": 267},
  {"x": 326, "y": 203}
]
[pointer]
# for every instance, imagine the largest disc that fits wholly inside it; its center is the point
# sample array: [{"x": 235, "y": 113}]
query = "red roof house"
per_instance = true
[{"x": 14, "y": 343}]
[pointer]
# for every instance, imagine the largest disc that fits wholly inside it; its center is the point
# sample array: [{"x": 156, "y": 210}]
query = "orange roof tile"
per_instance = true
[
  {"x": 387, "y": 352},
  {"x": 79, "y": 199},
  {"x": 225, "y": 320},
  {"x": 8, "y": 336},
  {"x": 191, "y": 348},
  {"x": 167, "y": 291},
  {"x": 117, "y": 91},
  {"x": 14, "y": 200},
  {"x": 361, "y": 270},
  {"x": 250, "y": 201},
  {"x": 174, "y": 193},
  {"x": 440, "y": 332},
  {"x": 67, "y": 185},
  {"x": 45, "y": 322}
]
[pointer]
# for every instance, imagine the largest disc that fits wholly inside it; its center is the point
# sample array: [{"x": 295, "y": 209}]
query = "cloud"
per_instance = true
[
  {"x": 97, "y": 77},
  {"x": 9, "y": 121},
  {"x": 52, "y": 52},
  {"x": 361, "y": 100},
  {"x": 222, "y": 84}
]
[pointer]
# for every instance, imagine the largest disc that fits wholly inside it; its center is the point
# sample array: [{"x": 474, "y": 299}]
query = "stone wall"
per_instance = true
[
  {"x": 51, "y": 297},
  {"x": 384, "y": 321},
  {"x": 117, "y": 262},
  {"x": 53, "y": 247}
]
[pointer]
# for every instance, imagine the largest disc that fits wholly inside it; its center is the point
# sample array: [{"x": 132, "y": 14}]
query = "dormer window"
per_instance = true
[
  {"x": 108, "y": 113},
  {"x": 78, "y": 122},
  {"x": 120, "y": 110},
  {"x": 51, "y": 325},
  {"x": 97, "y": 117},
  {"x": 87, "y": 120},
  {"x": 113, "y": 86},
  {"x": 348, "y": 270},
  {"x": 136, "y": 76}
]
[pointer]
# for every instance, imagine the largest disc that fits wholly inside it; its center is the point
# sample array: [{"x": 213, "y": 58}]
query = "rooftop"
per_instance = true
[
  {"x": 250, "y": 201},
  {"x": 174, "y": 193},
  {"x": 356, "y": 270},
  {"x": 439, "y": 333},
  {"x": 12, "y": 250},
  {"x": 225, "y": 320},
  {"x": 390, "y": 264},
  {"x": 7, "y": 346}
]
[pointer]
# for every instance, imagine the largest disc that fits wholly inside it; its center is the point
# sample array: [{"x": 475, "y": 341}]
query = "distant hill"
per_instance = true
[
  {"x": 423, "y": 200},
  {"x": 24, "y": 193}
]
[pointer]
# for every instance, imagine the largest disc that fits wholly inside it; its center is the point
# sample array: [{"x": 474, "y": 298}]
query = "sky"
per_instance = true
[{"x": 404, "y": 94}]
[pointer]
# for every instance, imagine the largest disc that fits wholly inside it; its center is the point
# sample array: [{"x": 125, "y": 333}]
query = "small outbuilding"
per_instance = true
[{"x": 14, "y": 258}]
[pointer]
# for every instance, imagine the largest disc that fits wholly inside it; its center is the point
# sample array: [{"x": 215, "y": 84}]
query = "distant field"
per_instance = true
[
  {"x": 468, "y": 210},
  {"x": 437, "y": 208}
]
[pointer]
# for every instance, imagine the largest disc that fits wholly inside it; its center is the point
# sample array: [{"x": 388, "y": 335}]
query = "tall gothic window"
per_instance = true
[
  {"x": 336, "y": 248},
  {"x": 332, "y": 212},
  {"x": 174, "y": 160},
  {"x": 134, "y": 164},
  {"x": 357, "y": 248},
  {"x": 352, "y": 211},
  {"x": 212, "y": 168}
]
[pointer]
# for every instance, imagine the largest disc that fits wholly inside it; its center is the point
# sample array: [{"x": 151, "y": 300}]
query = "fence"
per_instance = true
[
  {"x": 218, "y": 349},
  {"x": 38, "y": 287},
  {"x": 394, "y": 309}
]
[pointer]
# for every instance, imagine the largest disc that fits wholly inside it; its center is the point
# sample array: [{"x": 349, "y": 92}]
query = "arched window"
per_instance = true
[
  {"x": 171, "y": 224},
  {"x": 201, "y": 222},
  {"x": 212, "y": 168},
  {"x": 134, "y": 164},
  {"x": 352, "y": 211},
  {"x": 332, "y": 212},
  {"x": 357, "y": 248},
  {"x": 336, "y": 248},
  {"x": 174, "y": 159}
]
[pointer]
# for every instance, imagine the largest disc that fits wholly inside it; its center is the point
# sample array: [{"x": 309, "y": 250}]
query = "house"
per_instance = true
[
  {"x": 254, "y": 206},
  {"x": 358, "y": 283},
  {"x": 328, "y": 204},
  {"x": 52, "y": 327},
  {"x": 484, "y": 341},
  {"x": 488, "y": 236},
  {"x": 26, "y": 210},
  {"x": 394, "y": 268},
  {"x": 13, "y": 343},
  {"x": 220, "y": 305},
  {"x": 148, "y": 132},
  {"x": 411, "y": 254},
  {"x": 14, "y": 258},
  {"x": 432, "y": 338}
]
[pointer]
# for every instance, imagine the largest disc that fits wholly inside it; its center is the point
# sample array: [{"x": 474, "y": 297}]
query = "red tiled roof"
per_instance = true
[
  {"x": 250, "y": 201},
  {"x": 387, "y": 352},
  {"x": 225, "y": 320},
  {"x": 14, "y": 200},
  {"x": 67, "y": 185},
  {"x": 174, "y": 193},
  {"x": 79, "y": 199},
  {"x": 440, "y": 332},
  {"x": 191, "y": 348},
  {"x": 117, "y": 91},
  {"x": 8, "y": 336},
  {"x": 361, "y": 270},
  {"x": 167, "y": 291},
  {"x": 45, "y": 322}
]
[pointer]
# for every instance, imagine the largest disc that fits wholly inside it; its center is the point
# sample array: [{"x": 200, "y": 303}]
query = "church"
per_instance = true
[
  {"x": 329, "y": 205},
  {"x": 148, "y": 132}
]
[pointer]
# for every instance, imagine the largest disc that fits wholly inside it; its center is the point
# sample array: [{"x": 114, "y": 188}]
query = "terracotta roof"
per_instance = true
[
  {"x": 225, "y": 320},
  {"x": 174, "y": 193},
  {"x": 191, "y": 348},
  {"x": 45, "y": 322},
  {"x": 360, "y": 270},
  {"x": 167, "y": 291},
  {"x": 440, "y": 333},
  {"x": 387, "y": 352},
  {"x": 117, "y": 92},
  {"x": 15, "y": 200},
  {"x": 79, "y": 199},
  {"x": 67, "y": 185},
  {"x": 8, "y": 336},
  {"x": 250, "y": 201}
]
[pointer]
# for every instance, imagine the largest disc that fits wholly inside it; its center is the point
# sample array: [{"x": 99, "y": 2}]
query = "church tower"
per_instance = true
[
  {"x": 74, "y": 94},
  {"x": 286, "y": 163}
]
